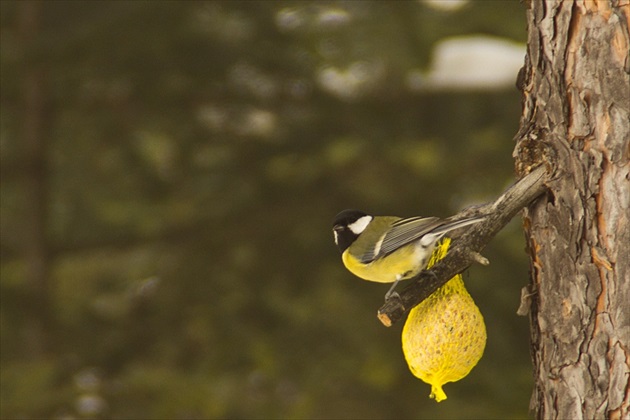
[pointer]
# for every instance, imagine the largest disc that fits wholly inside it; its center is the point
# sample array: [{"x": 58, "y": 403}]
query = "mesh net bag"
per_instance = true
[{"x": 444, "y": 336}]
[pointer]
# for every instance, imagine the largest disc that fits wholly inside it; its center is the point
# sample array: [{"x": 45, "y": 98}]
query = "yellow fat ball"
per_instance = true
[{"x": 444, "y": 336}]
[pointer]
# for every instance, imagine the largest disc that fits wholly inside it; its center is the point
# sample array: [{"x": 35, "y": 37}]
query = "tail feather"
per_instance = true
[
  {"x": 456, "y": 225},
  {"x": 440, "y": 231}
]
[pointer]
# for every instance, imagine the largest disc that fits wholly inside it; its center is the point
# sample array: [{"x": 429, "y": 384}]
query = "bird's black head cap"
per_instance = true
[
  {"x": 347, "y": 217},
  {"x": 344, "y": 236}
]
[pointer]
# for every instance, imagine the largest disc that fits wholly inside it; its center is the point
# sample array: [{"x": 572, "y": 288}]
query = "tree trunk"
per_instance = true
[{"x": 576, "y": 121}]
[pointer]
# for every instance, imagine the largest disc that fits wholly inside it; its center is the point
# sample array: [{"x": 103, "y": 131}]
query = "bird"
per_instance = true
[{"x": 388, "y": 249}]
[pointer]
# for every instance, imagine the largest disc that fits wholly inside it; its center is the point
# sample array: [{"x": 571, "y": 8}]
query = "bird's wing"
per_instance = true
[{"x": 401, "y": 233}]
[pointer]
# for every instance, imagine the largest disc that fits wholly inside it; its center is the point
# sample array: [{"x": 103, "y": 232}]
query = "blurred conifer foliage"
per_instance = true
[{"x": 169, "y": 175}]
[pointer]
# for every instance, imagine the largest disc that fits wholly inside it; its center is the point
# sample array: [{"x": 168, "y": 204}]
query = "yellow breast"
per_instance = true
[{"x": 404, "y": 262}]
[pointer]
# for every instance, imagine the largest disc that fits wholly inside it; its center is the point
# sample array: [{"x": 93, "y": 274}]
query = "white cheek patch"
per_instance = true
[
  {"x": 336, "y": 237},
  {"x": 360, "y": 225}
]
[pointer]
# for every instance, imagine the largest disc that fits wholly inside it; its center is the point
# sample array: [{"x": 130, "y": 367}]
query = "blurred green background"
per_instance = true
[{"x": 170, "y": 171}]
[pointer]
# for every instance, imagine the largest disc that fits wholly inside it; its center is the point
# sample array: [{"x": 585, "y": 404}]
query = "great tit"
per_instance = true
[{"x": 388, "y": 249}]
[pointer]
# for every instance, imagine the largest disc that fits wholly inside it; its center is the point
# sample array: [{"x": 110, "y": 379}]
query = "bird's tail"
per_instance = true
[{"x": 456, "y": 224}]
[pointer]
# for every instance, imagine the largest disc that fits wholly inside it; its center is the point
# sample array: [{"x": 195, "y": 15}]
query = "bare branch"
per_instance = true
[{"x": 466, "y": 248}]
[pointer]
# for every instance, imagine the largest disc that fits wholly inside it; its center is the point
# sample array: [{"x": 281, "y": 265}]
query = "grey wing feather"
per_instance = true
[
  {"x": 406, "y": 231},
  {"x": 401, "y": 233}
]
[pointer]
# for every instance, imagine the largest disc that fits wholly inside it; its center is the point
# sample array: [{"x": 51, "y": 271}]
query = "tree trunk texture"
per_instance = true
[{"x": 576, "y": 121}]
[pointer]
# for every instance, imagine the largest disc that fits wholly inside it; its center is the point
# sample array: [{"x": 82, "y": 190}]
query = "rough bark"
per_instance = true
[{"x": 576, "y": 120}]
